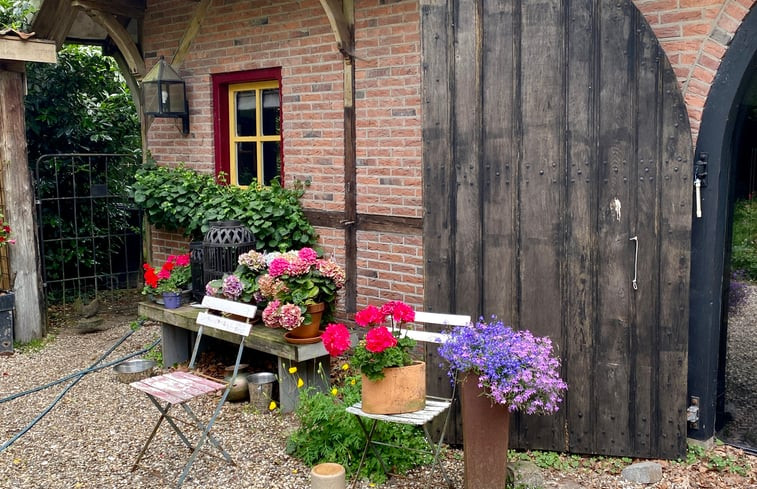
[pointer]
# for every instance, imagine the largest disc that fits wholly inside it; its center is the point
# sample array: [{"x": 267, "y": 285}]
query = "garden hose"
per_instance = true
[{"x": 77, "y": 377}]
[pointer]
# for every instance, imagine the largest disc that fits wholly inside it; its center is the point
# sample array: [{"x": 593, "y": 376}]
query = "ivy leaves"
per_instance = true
[{"x": 180, "y": 199}]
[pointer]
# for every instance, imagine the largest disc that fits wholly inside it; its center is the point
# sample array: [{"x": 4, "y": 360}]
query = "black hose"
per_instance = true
[{"x": 79, "y": 375}]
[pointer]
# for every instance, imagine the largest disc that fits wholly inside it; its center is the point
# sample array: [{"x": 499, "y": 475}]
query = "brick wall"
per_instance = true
[
  {"x": 695, "y": 36},
  {"x": 295, "y": 35}
]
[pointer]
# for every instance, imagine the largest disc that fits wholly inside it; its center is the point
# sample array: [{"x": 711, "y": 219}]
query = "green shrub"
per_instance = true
[
  {"x": 744, "y": 245},
  {"x": 182, "y": 200},
  {"x": 327, "y": 433}
]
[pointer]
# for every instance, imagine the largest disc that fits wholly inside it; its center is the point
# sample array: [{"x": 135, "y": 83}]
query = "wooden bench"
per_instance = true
[{"x": 311, "y": 360}]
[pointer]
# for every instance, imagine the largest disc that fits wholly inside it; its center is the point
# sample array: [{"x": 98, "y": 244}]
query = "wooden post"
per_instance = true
[{"x": 26, "y": 277}]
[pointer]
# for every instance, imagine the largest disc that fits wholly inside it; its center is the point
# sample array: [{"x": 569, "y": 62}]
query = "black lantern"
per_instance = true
[{"x": 164, "y": 94}]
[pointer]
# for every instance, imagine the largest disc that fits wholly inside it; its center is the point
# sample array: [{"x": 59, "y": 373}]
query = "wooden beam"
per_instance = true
[
  {"x": 341, "y": 24},
  {"x": 123, "y": 8},
  {"x": 25, "y": 262},
  {"x": 54, "y": 20},
  {"x": 190, "y": 33},
  {"x": 366, "y": 222},
  {"x": 122, "y": 39},
  {"x": 37, "y": 50}
]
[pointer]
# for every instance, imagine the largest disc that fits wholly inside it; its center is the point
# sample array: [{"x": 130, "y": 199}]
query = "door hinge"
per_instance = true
[{"x": 692, "y": 413}]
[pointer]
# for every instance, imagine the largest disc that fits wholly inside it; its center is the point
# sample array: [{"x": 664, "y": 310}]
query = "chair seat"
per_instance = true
[
  {"x": 177, "y": 387},
  {"x": 416, "y": 418}
]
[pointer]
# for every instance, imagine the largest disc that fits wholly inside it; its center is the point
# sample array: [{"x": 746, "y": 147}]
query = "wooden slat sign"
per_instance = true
[
  {"x": 239, "y": 308},
  {"x": 224, "y": 324}
]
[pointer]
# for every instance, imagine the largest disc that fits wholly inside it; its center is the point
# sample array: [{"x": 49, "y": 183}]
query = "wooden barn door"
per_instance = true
[{"x": 557, "y": 169}]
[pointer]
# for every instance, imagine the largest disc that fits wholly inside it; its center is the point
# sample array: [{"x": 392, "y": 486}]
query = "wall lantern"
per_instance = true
[{"x": 164, "y": 94}]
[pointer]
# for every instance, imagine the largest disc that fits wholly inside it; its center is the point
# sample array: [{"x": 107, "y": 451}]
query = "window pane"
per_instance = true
[
  {"x": 245, "y": 113},
  {"x": 271, "y": 112},
  {"x": 247, "y": 164},
  {"x": 271, "y": 161}
]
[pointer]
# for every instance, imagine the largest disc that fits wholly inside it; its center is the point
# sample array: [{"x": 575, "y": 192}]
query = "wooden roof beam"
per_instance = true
[
  {"x": 122, "y": 39},
  {"x": 123, "y": 8},
  {"x": 342, "y": 23},
  {"x": 54, "y": 20}
]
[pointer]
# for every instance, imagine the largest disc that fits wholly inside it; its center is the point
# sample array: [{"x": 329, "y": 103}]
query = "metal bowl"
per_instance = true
[{"x": 134, "y": 369}]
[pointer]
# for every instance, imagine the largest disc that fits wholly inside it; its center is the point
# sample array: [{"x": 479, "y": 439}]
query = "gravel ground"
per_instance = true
[
  {"x": 91, "y": 437},
  {"x": 741, "y": 373}
]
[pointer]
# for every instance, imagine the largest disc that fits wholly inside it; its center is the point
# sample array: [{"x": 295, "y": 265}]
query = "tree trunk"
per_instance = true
[{"x": 18, "y": 195}]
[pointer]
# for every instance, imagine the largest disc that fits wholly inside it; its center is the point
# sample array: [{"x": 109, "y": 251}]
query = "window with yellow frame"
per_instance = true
[{"x": 254, "y": 133}]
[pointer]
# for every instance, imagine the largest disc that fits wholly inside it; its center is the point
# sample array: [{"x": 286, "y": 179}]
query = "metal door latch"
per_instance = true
[
  {"x": 700, "y": 180},
  {"x": 692, "y": 413}
]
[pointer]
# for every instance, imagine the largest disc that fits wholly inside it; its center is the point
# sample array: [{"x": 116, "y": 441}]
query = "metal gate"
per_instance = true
[
  {"x": 558, "y": 195},
  {"x": 90, "y": 231}
]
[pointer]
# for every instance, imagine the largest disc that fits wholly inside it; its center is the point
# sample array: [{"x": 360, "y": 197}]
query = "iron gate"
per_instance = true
[{"x": 90, "y": 231}]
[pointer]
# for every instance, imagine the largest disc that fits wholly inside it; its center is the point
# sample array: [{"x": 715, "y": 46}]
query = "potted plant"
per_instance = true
[
  {"x": 501, "y": 370},
  {"x": 170, "y": 281},
  {"x": 392, "y": 382},
  {"x": 301, "y": 289},
  {"x": 7, "y": 298}
]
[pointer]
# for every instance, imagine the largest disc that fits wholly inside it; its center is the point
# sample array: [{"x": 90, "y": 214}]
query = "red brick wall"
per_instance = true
[
  {"x": 295, "y": 35},
  {"x": 695, "y": 36}
]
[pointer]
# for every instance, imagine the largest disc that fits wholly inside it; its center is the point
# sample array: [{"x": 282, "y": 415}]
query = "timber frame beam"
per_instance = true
[{"x": 118, "y": 34}]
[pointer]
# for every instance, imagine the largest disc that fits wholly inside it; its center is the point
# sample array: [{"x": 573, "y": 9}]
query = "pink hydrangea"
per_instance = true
[
  {"x": 290, "y": 316},
  {"x": 278, "y": 266},
  {"x": 308, "y": 255},
  {"x": 271, "y": 314}
]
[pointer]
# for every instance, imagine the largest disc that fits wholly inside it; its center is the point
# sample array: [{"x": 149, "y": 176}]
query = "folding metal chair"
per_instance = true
[
  {"x": 435, "y": 406},
  {"x": 177, "y": 388}
]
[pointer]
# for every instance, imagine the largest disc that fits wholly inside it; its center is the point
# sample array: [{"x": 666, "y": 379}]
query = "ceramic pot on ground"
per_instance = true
[
  {"x": 402, "y": 390},
  {"x": 239, "y": 389}
]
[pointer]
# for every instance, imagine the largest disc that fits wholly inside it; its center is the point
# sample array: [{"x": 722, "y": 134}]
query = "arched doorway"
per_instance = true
[
  {"x": 718, "y": 145},
  {"x": 557, "y": 172}
]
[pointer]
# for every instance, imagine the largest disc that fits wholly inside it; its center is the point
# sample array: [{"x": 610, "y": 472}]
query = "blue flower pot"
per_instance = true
[{"x": 171, "y": 300}]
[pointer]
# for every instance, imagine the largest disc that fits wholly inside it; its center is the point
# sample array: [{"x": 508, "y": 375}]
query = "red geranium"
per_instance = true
[
  {"x": 381, "y": 348},
  {"x": 336, "y": 339},
  {"x": 379, "y": 339}
]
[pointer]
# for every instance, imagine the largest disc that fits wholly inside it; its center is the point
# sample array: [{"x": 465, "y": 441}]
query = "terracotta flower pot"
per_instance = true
[
  {"x": 310, "y": 330},
  {"x": 402, "y": 390},
  {"x": 486, "y": 431}
]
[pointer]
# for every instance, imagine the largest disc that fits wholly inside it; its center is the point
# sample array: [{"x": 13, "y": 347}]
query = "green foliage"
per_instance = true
[
  {"x": 180, "y": 199},
  {"x": 15, "y": 14},
  {"x": 328, "y": 433},
  {"x": 34, "y": 346},
  {"x": 718, "y": 459},
  {"x": 372, "y": 364},
  {"x": 79, "y": 105},
  {"x": 744, "y": 247}
]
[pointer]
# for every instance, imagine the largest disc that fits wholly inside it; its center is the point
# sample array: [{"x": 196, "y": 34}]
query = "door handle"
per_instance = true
[{"x": 635, "y": 284}]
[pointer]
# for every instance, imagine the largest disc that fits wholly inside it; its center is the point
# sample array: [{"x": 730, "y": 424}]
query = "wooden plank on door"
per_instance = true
[
  {"x": 615, "y": 251},
  {"x": 645, "y": 303},
  {"x": 438, "y": 170},
  {"x": 467, "y": 155},
  {"x": 499, "y": 177},
  {"x": 580, "y": 217},
  {"x": 541, "y": 190},
  {"x": 675, "y": 258}
]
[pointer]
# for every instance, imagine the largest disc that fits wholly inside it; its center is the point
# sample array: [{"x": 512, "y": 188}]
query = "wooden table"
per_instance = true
[{"x": 311, "y": 360}]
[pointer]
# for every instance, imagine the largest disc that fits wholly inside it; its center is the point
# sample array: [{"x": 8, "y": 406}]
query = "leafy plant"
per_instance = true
[
  {"x": 327, "y": 433},
  {"x": 382, "y": 347},
  {"x": 183, "y": 200},
  {"x": 15, "y": 14},
  {"x": 744, "y": 242}
]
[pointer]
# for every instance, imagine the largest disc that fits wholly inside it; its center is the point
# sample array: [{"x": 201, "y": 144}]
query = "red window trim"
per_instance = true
[{"x": 221, "y": 82}]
